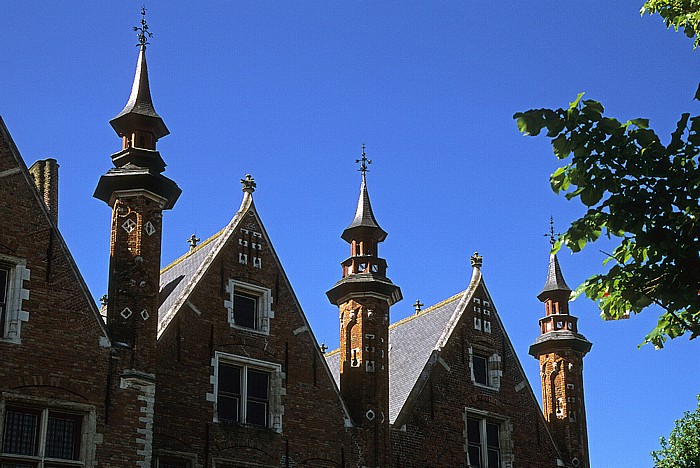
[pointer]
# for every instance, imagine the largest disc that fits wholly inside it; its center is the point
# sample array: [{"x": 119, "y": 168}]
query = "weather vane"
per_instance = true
[
  {"x": 364, "y": 161},
  {"x": 143, "y": 31},
  {"x": 552, "y": 236}
]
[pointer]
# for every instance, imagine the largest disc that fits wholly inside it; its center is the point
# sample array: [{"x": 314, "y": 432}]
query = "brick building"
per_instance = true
[{"x": 211, "y": 362}]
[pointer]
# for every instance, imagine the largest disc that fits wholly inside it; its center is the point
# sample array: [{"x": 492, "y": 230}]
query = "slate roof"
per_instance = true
[
  {"x": 364, "y": 217},
  {"x": 140, "y": 102},
  {"x": 555, "y": 279},
  {"x": 414, "y": 346},
  {"x": 179, "y": 279},
  {"x": 174, "y": 277}
]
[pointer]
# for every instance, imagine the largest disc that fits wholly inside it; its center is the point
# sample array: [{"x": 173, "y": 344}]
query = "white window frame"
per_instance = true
[
  {"x": 16, "y": 294},
  {"x": 87, "y": 414},
  {"x": 275, "y": 388},
  {"x": 264, "y": 311},
  {"x": 494, "y": 369}
]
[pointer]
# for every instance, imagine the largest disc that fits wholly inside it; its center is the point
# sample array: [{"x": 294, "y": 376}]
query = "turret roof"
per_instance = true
[
  {"x": 140, "y": 104},
  {"x": 364, "y": 217},
  {"x": 555, "y": 279}
]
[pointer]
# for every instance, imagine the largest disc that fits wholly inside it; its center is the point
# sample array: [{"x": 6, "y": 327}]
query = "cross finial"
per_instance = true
[
  {"x": 476, "y": 260},
  {"x": 104, "y": 300},
  {"x": 552, "y": 236},
  {"x": 193, "y": 240},
  {"x": 143, "y": 31},
  {"x": 364, "y": 161},
  {"x": 417, "y": 305},
  {"x": 324, "y": 348},
  {"x": 248, "y": 184}
]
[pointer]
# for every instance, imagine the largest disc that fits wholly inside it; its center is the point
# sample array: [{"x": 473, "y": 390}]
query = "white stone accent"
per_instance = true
[
  {"x": 145, "y": 433},
  {"x": 129, "y": 225},
  {"x": 16, "y": 295},
  {"x": 125, "y": 313},
  {"x": 149, "y": 228}
]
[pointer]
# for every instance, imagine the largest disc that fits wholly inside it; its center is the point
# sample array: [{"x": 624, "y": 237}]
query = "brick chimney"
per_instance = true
[{"x": 45, "y": 174}]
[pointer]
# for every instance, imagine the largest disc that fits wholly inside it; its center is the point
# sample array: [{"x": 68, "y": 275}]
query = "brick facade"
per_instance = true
[{"x": 211, "y": 363}]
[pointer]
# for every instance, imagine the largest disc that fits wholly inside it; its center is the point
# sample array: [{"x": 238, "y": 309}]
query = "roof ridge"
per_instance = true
[{"x": 191, "y": 252}]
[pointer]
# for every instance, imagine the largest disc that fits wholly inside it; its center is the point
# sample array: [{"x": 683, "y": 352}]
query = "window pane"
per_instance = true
[
  {"x": 492, "y": 435},
  {"x": 20, "y": 465},
  {"x": 256, "y": 413},
  {"x": 227, "y": 408},
  {"x": 21, "y": 431},
  {"x": 494, "y": 459},
  {"x": 63, "y": 437},
  {"x": 244, "y": 310},
  {"x": 257, "y": 384},
  {"x": 480, "y": 370},
  {"x": 474, "y": 431},
  {"x": 229, "y": 379},
  {"x": 474, "y": 456}
]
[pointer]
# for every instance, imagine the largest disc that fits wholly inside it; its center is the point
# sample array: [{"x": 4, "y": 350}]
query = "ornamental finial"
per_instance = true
[
  {"x": 248, "y": 184},
  {"x": 143, "y": 32},
  {"x": 364, "y": 161},
  {"x": 476, "y": 260},
  {"x": 193, "y": 240},
  {"x": 552, "y": 236}
]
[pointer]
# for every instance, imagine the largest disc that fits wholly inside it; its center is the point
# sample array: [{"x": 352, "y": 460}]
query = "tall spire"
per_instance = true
[
  {"x": 364, "y": 224},
  {"x": 139, "y": 110}
]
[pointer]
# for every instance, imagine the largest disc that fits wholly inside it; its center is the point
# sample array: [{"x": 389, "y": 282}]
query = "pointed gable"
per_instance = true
[{"x": 43, "y": 248}]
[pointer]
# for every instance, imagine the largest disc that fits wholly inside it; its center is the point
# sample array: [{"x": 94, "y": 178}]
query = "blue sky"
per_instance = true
[{"x": 288, "y": 91}]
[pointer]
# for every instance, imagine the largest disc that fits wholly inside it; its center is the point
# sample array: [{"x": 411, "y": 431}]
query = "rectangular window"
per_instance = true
[
  {"x": 483, "y": 445},
  {"x": 479, "y": 367},
  {"x": 245, "y": 310},
  {"x": 249, "y": 306},
  {"x": 486, "y": 369},
  {"x": 243, "y": 395},
  {"x": 32, "y": 435}
]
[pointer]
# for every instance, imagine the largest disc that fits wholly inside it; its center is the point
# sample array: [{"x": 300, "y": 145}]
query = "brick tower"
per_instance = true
[
  {"x": 560, "y": 350},
  {"x": 364, "y": 295},
  {"x": 138, "y": 193}
]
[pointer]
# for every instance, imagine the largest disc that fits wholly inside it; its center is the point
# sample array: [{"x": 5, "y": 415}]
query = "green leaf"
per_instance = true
[
  {"x": 639, "y": 123},
  {"x": 574, "y": 105}
]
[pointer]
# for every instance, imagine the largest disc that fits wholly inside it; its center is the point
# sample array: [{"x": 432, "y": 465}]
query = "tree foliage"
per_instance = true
[
  {"x": 682, "y": 448},
  {"x": 640, "y": 191},
  {"x": 681, "y": 14}
]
